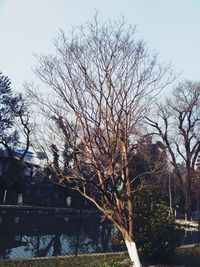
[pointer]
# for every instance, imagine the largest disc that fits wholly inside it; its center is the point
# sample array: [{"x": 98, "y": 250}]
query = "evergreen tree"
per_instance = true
[{"x": 14, "y": 119}]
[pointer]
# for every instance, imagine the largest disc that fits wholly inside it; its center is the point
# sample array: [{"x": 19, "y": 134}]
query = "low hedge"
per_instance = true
[
  {"x": 183, "y": 257},
  {"x": 89, "y": 260}
]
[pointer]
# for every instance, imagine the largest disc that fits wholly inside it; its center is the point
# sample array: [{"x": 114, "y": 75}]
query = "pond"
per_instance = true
[{"x": 28, "y": 236}]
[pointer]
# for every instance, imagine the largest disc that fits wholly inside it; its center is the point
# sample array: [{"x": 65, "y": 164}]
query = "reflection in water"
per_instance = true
[
  {"x": 41, "y": 246},
  {"x": 28, "y": 236},
  {"x": 9, "y": 239}
]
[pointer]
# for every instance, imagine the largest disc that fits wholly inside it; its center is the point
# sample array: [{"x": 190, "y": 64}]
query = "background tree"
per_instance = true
[
  {"x": 103, "y": 81},
  {"x": 14, "y": 127},
  {"x": 14, "y": 119},
  {"x": 149, "y": 162},
  {"x": 178, "y": 125},
  {"x": 55, "y": 154}
]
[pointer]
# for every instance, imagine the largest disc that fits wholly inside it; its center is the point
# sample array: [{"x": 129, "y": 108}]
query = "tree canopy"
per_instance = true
[{"x": 14, "y": 119}]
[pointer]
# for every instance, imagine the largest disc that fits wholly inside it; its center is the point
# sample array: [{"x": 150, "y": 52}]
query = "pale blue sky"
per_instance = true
[{"x": 170, "y": 27}]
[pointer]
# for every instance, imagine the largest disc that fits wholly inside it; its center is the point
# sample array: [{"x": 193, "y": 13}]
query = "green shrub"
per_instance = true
[{"x": 156, "y": 235}]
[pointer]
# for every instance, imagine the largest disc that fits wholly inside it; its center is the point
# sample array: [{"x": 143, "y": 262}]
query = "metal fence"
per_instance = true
[{"x": 28, "y": 236}]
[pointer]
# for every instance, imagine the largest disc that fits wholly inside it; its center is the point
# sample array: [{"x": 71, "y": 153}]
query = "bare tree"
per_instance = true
[
  {"x": 103, "y": 80},
  {"x": 178, "y": 126}
]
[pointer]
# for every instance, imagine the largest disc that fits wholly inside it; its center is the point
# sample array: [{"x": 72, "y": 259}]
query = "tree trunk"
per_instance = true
[
  {"x": 187, "y": 204},
  {"x": 133, "y": 253},
  {"x": 4, "y": 197}
]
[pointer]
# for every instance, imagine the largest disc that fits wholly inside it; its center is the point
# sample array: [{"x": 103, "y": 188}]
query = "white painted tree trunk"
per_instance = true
[
  {"x": 186, "y": 217},
  {"x": 133, "y": 253},
  {"x": 20, "y": 199},
  {"x": 4, "y": 196},
  {"x": 68, "y": 201}
]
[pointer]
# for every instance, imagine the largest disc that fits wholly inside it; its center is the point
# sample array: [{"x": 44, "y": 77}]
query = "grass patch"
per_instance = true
[
  {"x": 183, "y": 257},
  {"x": 189, "y": 257}
]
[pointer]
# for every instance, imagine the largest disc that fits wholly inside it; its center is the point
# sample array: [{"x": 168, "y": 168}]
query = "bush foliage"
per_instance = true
[{"x": 156, "y": 235}]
